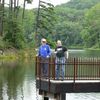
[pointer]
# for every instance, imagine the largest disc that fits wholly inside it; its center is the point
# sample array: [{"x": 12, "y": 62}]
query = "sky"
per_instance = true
[
  {"x": 35, "y": 3},
  {"x": 54, "y": 2}
]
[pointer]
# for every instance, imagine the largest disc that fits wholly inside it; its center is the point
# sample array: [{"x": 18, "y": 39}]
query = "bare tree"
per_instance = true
[
  {"x": 28, "y": 1},
  {"x": 15, "y": 5},
  {"x": 1, "y": 16},
  {"x": 23, "y": 10}
]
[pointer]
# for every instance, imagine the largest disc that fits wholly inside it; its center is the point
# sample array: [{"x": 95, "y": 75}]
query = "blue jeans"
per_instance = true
[{"x": 60, "y": 67}]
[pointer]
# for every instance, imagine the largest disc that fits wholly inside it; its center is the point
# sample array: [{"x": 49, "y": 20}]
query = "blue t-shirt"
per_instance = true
[{"x": 44, "y": 51}]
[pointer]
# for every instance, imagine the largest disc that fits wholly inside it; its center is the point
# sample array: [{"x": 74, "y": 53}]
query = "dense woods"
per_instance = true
[
  {"x": 76, "y": 23},
  {"x": 79, "y": 23}
]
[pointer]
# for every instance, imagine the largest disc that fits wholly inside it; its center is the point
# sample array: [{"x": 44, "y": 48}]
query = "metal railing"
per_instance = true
[{"x": 75, "y": 69}]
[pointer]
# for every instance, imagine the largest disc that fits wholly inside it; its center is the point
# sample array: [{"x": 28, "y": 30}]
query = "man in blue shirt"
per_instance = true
[{"x": 44, "y": 53}]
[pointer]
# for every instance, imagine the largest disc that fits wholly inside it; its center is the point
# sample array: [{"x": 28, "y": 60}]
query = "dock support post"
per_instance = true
[
  {"x": 46, "y": 98},
  {"x": 63, "y": 96},
  {"x": 51, "y": 96},
  {"x": 60, "y": 96}
]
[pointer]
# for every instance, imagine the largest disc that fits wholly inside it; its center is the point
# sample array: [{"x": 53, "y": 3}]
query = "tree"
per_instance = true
[
  {"x": 45, "y": 21},
  {"x": 92, "y": 25},
  {"x": 14, "y": 35},
  {"x": 28, "y": 1},
  {"x": 1, "y": 16}
]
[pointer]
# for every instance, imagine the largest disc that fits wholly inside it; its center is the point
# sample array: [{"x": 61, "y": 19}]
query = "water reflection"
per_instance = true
[
  {"x": 84, "y": 53},
  {"x": 83, "y": 96},
  {"x": 17, "y": 80}
]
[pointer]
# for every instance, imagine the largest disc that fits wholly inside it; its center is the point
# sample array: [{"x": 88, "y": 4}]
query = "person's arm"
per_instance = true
[
  {"x": 66, "y": 52},
  {"x": 64, "y": 49},
  {"x": 66, "y": 55},
  {"x": 55, "y": 50},
  {"x": 49, "y": 51}
]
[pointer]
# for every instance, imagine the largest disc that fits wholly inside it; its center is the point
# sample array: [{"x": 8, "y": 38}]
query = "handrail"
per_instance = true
[{"x": 76, "y": 69}]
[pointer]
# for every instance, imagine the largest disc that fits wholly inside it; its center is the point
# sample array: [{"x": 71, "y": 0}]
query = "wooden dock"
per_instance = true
[{"x": 81, "y": 75}]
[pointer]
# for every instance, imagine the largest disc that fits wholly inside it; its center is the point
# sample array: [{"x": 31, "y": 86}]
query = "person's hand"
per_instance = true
[
  {"x": 55, "y": 52},
  {"x": 36, "y": 55},
  {"x": 47, "y": 56}
]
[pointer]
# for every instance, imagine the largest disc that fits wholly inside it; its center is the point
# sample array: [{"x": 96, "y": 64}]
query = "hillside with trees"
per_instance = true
[{"x": 76, "y": 23}]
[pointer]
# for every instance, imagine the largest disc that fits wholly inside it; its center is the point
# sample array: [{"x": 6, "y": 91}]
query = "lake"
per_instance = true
[{"x": 17, "y": 79}]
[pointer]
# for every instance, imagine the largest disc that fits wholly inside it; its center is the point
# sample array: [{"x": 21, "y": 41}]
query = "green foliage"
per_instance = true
[
  {"x": 72, "y": 26},
  {"x": 14, "y": 34},
  {"x": 29, "y": 1},
  {"x": 1, "y": 43},
  {"x": 14, "y": 31},
  {"x": 92, "y": 25},
  {"x": 81, "y": 4},
  {"x": 51, "y": 43},
  {"x": 68, "y": 26},
  {"x": 45, "y": 22},
  {"x": 76, "y": 23},
  {"x": 29, "y": 19}
]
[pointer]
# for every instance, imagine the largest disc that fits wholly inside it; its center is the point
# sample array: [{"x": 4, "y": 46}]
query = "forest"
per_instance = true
[{"x": 76, "y": 24}]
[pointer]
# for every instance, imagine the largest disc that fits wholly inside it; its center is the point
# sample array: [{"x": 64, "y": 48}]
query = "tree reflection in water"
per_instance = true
[{"x": 12, "y": 76}]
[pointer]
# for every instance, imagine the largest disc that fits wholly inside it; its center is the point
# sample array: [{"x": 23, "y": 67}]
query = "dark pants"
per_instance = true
[{"x": 44, "y": 66}]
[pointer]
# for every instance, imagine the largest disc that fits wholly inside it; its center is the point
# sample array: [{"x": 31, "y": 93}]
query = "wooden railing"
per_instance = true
[{"x": 75, "y": 69}]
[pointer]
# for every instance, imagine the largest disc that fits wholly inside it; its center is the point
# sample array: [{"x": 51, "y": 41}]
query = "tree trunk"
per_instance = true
[
  {"x": 23, "y": 10},
  {"x": 2, "y": 16},
  {"x": 15, "y": 6}
]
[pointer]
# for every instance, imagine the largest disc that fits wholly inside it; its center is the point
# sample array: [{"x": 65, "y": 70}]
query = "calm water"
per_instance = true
[{"x": 17, "y": 79}]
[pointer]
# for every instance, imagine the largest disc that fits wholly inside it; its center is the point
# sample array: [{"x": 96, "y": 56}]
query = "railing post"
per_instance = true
[
  {"x": 40, "y": 72},
  {"x": 49, "y": 68},
  {"x": 49, "y": 73},
  {"x": 39, "y": 67},
  {"x": 98, "y": 63},
  {"x": 75, "y": 73},
  {"x": 54, "y": 68},
  {"x": 36, "y": 66},
  {"x": 74, "y": 70}
]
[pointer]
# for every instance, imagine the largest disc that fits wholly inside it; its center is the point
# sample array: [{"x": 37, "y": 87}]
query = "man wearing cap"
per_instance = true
[{"x": 44, "y": 53}]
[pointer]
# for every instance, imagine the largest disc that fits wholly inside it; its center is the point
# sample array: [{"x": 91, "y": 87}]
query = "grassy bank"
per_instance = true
[{"x": 12, "y": 54}]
